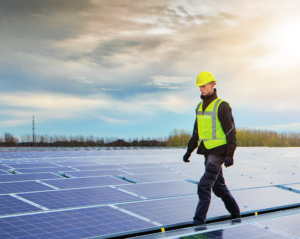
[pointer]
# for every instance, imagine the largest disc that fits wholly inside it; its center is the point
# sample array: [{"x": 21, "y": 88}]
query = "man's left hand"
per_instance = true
[{"x": 228, "y": 162}]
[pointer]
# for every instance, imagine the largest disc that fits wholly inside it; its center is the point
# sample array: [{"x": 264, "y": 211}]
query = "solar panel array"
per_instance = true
[{"x": 104, "y": 193}]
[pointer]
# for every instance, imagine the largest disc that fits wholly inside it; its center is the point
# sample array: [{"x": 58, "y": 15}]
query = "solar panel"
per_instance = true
[
  {"x": 80, "y": 223},
  {"x": 287, "y": 224},
  {"x": 266, "y": 198},
  {"x": 160, "y": 190},
  {"x": 73, "y": 164},
  {"x": 11, "y": 205},
  {"x": 98, "y": 167},
  {"x": 238, "y": 232},
  {"x": 156, "y": 177},
  {"x": 142, "y": 165},
  {"x": 27, "y": 177},
  {"x": 32, "y": 165},
  {"x": 18, "y": 187},
  {"x": 149, "y": 170},
  {"x": 85, "y": 182},
  {"x": 3, "y": 167},
  {"x": 78, "y": 197},
  {"x": 279, "y": 178},
  {"x": 44, "y": 170},
  {"x": 94, "y": 173},
  {"x": 4, "y": 172},
  {"x": 175, "y": 210}
]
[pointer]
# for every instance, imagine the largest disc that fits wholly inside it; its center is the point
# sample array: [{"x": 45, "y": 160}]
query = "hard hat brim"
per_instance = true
[{"x": 206, "y": 83}]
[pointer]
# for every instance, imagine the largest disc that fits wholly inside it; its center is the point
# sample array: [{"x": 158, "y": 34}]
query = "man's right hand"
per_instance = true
[{"x": 186, "y": 157}]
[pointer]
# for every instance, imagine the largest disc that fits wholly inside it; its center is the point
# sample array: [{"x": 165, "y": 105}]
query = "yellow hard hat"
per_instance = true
[{"x": 204, "y": 78}]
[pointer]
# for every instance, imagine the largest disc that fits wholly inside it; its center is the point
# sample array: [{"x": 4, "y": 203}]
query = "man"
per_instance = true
[{"x": 214, "y": 135}]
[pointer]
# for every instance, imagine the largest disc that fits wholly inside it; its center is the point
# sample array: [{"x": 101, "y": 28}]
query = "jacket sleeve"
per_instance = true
[
  {"x": 227, "y": 122},
  {"x": 193, "y": 143}
]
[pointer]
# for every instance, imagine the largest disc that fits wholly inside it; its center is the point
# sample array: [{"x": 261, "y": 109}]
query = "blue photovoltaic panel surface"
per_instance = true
[
  {"x": 175, "y": 210},
  {"x": 238, "y": 232},
  {"x": 32, "y": 165},
  {"x": 18, "y": 187},
  {"x": 73, "y": 164},
  {"x": 71, "y": 224},
  {"x": 288, "y": 224},
  {"x": 78, "y": 197},
  {"x": 3, "y": 167},
  {"x": 27, "y": 177},
  {"x": 44, "y": 170},
  {"x": 11, "y": 205},
  {"x": 268, "y": 197},
  {"x": 4, "y": 172},
  {"x": 149, "y": 170},
  {"x": 157, "y": 177},
  {"x": 164, "y": 189},
  {"x": 85, "y": 182},
  {"x": 93, "y": 173},
  {"x": 143, "y": 165},
  {"x": 98, "y": 167}
]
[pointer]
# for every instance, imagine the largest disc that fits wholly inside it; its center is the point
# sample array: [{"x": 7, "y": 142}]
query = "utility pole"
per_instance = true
[{"x": 33, "y": 128}]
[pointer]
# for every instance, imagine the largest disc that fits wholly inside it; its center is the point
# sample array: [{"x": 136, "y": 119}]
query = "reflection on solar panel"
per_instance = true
[
  {"x": 94, "y": 173},
  {"x": 3, "y": 167},
  {"x": 11, "y": 205},
  {"x": 32, "y": 165},
  {"x": 174, "y": 210},
  {"x": 27, "y": 177},
  {"x": 44, "y": 170},
  {"x": 3, "y": 172},
  {"x": 238, "y": 232},
  {"x": 18, "y": 187},
  {"x": 288, "y": 225},
  {"x": 73, "y": 164},
  {"x": 263, "y": 198},
  {"x": 85, "y": 182},
  {"x": 157, "y": 177},
  {"x": 149, "y": 170},
  {"x": 80, "y": 223},
  {"x": 164, "y": 189},
  {"x": 78, "y": 197},
  {"x": 279, "y": 179},
  {"x": 142, "y": 165},
  {"x": 98, "y": 167}
]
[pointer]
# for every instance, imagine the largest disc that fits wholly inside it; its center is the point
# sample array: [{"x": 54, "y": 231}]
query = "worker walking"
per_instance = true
[{"x": 214, "y": 135}]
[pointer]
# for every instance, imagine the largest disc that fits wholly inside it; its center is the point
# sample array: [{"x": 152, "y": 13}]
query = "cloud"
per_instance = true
[
  {"x": 21, "y": 106},
  {"x": 168, "y": 82}
]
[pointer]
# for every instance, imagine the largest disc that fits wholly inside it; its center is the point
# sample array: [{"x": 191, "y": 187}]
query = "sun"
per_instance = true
[{"x": 283, "y": 42}]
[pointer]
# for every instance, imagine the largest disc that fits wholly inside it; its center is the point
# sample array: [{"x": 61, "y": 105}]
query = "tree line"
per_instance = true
[{"x": 177, "y": 138}]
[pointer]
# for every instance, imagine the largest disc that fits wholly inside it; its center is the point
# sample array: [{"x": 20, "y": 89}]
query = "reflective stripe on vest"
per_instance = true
[{"x": 209, "y": 134}]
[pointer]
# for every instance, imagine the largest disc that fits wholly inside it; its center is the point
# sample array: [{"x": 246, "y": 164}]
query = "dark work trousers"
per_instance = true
[{"x": 213, "y": 179}]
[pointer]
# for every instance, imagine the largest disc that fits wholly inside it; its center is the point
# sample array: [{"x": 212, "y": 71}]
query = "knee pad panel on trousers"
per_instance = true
[
  {"x": 208, "y": 179},
  {"x": 221, "y": 191}
]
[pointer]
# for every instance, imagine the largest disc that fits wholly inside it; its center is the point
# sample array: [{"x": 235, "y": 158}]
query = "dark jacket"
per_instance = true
[{"x": 228, "y": 126}]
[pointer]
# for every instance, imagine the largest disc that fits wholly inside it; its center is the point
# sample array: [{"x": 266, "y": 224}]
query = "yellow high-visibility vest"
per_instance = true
[{"x": 209, "y": 126}]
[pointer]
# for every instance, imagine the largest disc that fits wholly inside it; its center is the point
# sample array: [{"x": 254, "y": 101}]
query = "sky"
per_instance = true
[{"x": 124, "y": 68}]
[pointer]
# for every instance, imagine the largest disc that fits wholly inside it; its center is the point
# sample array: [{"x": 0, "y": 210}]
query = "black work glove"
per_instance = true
[
  {"x": 186, "y": 157},
  {"x": 228, "y": 162}
]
